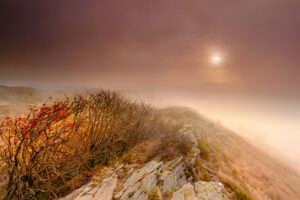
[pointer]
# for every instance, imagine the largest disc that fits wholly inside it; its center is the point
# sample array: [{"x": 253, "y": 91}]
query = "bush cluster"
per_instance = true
[{"x": 48, "y": 147}]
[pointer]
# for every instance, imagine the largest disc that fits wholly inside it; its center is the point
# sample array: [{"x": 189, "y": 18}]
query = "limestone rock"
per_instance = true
[
  {"x": 129, "y": 193},
  {"x": 94, "y": 191},
  {"x": 209, "y": 190},
  {"x": 180, "y": 175},
  {"x": 140, "y": 182},
  {"x": 169, "y": 181},
  {"x": 172, "y": 163},
  {"x": 188, "y": 137},
  {"x": 140, "y": 173},
  {"x": 193, "y": 158},
  {"x": 186, "y": 192},
  {"x": 105, "y": 191},
  {"x": 149, "y": 182},
  {"x": 202, "y": 191},
  {"x": 88, "y": 193},
  {"x": 76, "y": 193}
]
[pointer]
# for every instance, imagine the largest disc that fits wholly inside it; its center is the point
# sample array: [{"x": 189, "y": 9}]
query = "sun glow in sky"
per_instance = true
[{"x": 216, "y": 59}]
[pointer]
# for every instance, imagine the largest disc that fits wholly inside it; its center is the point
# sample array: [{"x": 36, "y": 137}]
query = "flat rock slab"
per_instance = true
[
  {"x": 201, "y": 191},
  {"x": 94, "y": 191},
  {"x": 148, "y": 183},
  {"x": 188, "y": 136},
  {"x": 140, "y": 173},
  {"x": 105, "y": 192},
  {"x": 77, "y": 192},
  {"x": 169, "y": 181},
  {"x": 186, "y": 192},
  {"x": 133, "y": 183}
]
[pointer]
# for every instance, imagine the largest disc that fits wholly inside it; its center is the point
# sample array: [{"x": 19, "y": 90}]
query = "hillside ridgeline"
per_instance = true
[{"x": 105, "y": 146}]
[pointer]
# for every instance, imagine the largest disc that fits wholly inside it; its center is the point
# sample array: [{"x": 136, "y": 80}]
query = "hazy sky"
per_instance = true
[
  {"x": 163, "y": 49},
  {"x": 154, "y": 44}
]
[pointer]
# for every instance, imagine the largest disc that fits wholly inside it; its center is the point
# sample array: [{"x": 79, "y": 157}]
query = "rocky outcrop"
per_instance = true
[
  {"x": 186, "y": 192},
  {"x": 94, "y": 190},
  {"x": 154, "y": 180},
  {"x": 188, "y": 136},
  {"x": 209, "y": 190},
  {"x": 200, "y": 191},
  {"x": 140, "y": 182},
  {"x": 169, "y": 181}
]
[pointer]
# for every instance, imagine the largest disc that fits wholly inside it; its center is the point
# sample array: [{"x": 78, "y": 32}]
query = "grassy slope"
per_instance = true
[
  {"x": 237, "y": 162},
  {"x": 232, "y": 160}
]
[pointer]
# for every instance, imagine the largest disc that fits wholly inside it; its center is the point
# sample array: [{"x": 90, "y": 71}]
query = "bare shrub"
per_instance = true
[
  {"x": 37, "y": 151},
  {"x": 115, "y": 124},
  {"x": 42, "y": 152}
]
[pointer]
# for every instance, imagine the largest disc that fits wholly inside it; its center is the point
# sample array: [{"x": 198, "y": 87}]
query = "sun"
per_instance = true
[{"x": 216, "y": 59}]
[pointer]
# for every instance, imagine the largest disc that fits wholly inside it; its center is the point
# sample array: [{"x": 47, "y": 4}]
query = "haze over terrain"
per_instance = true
[
  {"x": 271, "y": 124},
  {"x": 212, "y": 151},
  {"x": 234, "y": 61}
]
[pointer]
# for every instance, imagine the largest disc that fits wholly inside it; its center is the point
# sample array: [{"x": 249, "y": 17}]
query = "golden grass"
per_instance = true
[{"x": 248, "y": 169}]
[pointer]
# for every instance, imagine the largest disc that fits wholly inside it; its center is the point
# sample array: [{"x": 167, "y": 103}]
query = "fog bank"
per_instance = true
[{"x": 271, "y": 124}]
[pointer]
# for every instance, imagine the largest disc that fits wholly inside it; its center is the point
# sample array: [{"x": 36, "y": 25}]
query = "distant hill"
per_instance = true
[
  {"x": 235, "y": 161},
  {"x": 20, "y": 94},
  {"x": 15, "y": 100}
]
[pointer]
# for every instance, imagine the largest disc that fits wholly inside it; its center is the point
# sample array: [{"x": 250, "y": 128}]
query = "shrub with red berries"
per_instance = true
[
  {"x": 43, "y": 151},
  {"x": 35, "y": 149}
]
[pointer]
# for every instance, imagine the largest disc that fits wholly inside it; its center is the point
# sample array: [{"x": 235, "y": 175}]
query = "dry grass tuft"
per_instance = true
[
  {"x": 204, "y": 150},
  {"x": 237, "y": 192}
]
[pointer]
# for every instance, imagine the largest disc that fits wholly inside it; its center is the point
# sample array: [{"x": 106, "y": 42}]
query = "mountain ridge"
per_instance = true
[{"x": 223, "y": 156}]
